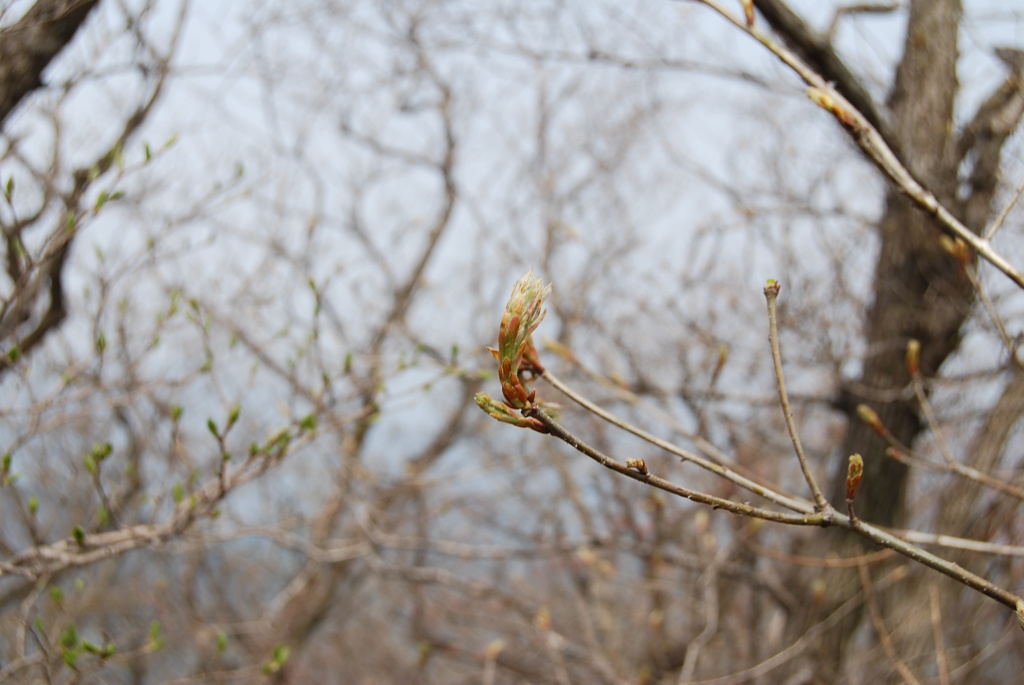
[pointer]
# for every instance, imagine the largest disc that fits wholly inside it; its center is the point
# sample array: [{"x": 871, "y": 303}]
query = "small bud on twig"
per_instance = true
[
  {"x": 638, "y": 464},
  {"x": 829, "y": 104},
  {"x": 723, "y": 357},
  {"x": 913, "y": 357},
  {"x": 870, "y": 417},
  {"x": 748, "y": 12},
  {"x": 854, "y": 474},
  {"x": 956, "y": 248},
  {"x": 506, "y": 414},
  {"x": 518, "y": 362}
]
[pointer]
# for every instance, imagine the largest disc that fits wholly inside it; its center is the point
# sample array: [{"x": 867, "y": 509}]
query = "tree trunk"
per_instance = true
[{"x": 29, "y": 45}]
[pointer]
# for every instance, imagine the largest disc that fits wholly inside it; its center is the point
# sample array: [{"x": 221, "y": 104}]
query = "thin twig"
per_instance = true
[
  {"x": 1000, "y": 218},
  {"x": 948, "y": 568},
  {"x": 793, "y": 504},
  {"x": 951, "y": 463},
  {"x": 741, "y": 508},
  {"x": 825, "y": 518},
  {"x": 990, "y": 308},
  {"x": 883, "y": 633},
  {"x": 771, "y": 294},
  {"x": 935, "y": 611}
]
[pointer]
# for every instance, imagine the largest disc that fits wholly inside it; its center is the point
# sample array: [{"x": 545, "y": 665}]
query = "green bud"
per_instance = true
[
  {"x": 69, "y": 638},
  {"x": 233, "y": 416}
]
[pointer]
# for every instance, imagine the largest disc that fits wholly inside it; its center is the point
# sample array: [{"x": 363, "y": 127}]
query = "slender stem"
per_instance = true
[
  {"x": 884, "y": 635},
  {"x": 951, "y": 463},
  {"x": 771, "y": 294},
  {"x": 953, "y": 570},
  {"x": 741, "y": 508},
  {"x": 798, "y": 505},
  {"x": 997, "y": 223}
]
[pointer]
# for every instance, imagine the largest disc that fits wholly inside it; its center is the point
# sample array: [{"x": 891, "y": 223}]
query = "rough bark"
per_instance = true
[{"x": 28, "y": 46}]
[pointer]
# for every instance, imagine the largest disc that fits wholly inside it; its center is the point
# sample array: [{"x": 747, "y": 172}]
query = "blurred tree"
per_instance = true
[{"x": 253, "y": 257}]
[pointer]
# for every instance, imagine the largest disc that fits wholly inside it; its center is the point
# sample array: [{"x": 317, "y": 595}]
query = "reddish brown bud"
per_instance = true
[
  {"x": 748, "y": 11},
  {"x": 957, "y": 248},
  {"x": 854, "y": 474}
]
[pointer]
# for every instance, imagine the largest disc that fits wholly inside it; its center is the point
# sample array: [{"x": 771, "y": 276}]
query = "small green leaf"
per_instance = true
[
  {"x": 101, "y": 342},
  {"x": 178, "y": 493},
  {"x": 222, "y": 641},
  {"x": 155, "y": 641},
  {"x": 79, "y": 534},
  {"x": 233, "y": 416},
  {"x": 147, "y": 152},
  {"x": 69, "y": 638},
  {"x": 33, "y": 505},
  {"x": 280, "y": 658},
  {"x": 175, "y": 412},
  {"x": 308, "y": 423},
  {"x": 56, "y": 594},
  {"x": 9, "y": 188},
  {"x": 212, "y": 426}
]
